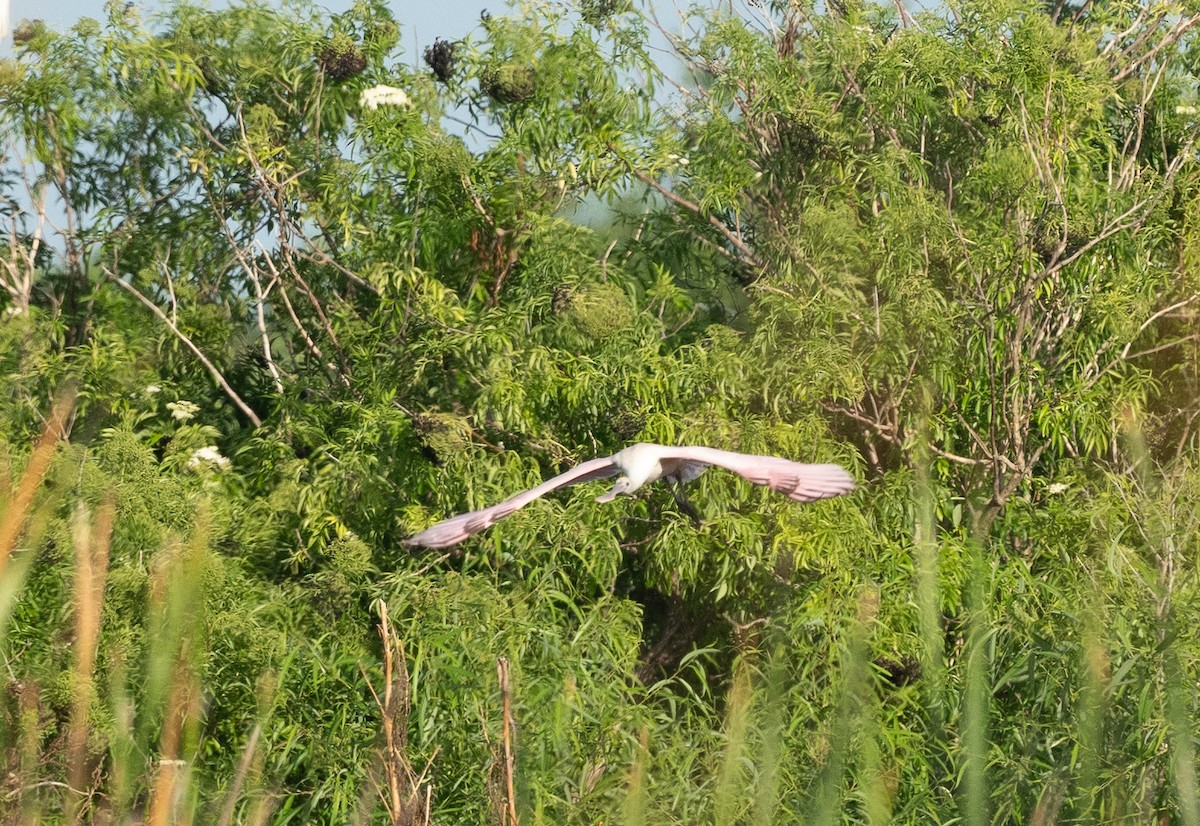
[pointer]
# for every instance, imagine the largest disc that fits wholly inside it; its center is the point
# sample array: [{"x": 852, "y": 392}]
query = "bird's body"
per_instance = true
[
  {"x": 644, "y": 463},
  {"x": 641, "y": 464}
]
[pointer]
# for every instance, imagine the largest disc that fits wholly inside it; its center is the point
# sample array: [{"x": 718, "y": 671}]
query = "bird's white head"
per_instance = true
[
  {"x": 623, "y": 485},
  {"x": 639, "y": 465}
]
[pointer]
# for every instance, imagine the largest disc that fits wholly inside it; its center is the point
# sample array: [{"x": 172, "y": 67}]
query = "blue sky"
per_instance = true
[{"x": 420, "y": 22}]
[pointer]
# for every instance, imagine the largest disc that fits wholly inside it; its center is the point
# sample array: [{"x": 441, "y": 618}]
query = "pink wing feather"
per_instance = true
[
  {"x": 456, "y": 529},
  {"x": 796, "y": 480}
]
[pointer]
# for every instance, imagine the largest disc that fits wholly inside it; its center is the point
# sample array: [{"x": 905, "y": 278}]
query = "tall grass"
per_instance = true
[{"x": 865, "y": 747}]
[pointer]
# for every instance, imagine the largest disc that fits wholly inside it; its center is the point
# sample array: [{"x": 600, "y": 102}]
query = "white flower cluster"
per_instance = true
[
  {"x": 207, "y": 456},
  {"x": 378, "y": 96},
  {"x": 183, "y": 410}
]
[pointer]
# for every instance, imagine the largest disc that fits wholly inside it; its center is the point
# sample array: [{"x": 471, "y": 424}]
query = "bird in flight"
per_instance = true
[{"x": 640, "y": 464}]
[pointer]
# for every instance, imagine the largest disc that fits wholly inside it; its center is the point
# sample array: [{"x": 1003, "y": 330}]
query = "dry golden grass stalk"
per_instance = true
[
  {"x": 183, "y": 708},
  {"x": 92, "y": 543},
  {"x": 407, "y": 796},
  {"x": 13, "y": 518},
  {"x": 177, "y": 599},
  {"x": 251, "y": 760},
  {"x": 510, "y": 818}
]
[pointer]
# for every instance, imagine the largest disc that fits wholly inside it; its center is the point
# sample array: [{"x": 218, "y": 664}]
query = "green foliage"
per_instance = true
[{"x": 313, "y": 300}]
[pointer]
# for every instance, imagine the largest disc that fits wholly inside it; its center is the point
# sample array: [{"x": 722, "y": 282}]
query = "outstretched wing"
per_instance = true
[
  {"x": 804, "y": 483},
  {"x": 456, "y": 529}
]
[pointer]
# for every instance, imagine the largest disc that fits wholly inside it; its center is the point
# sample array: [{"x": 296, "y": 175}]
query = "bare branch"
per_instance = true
[
  {"x": 22, "y": 261},
  {"x": 260, "y": 295},
  {"x": 510, "y": 816},
  {"x": 1138, "y": 22},
  {"x": 734, "y": 238},
  {"x": 1124, "y": 355},
  {"x": 1181, "y": 28},
  {"x": 309, "y": 344},
  {"x": 208, "y": 365},
  {"x": 1166, "y": 345}
]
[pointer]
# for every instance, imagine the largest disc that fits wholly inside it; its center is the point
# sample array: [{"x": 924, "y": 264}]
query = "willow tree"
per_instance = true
[
  {"x": 318, "y": 293},
  {"x": 289, "y": 280},
  {"x": 968, "y": 235}
]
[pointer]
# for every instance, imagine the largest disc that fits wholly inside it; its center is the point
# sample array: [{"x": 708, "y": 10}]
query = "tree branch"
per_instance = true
[
  {"x": 733, "y": 238},
  {"x": 260, "y": 314},
  {"x": 213, "y": 371}
]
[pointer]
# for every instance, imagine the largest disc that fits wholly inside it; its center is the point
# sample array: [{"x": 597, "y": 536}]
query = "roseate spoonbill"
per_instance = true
[{"x": 640, "y": 464}]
